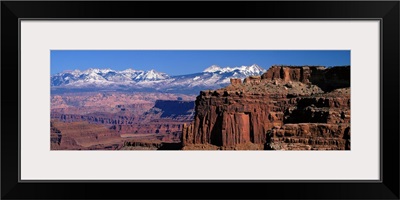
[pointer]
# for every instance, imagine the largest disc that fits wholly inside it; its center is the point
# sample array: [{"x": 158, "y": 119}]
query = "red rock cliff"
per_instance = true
[
  {"x": 327, "y": 79},
  {"x": 285, "y": 108}
]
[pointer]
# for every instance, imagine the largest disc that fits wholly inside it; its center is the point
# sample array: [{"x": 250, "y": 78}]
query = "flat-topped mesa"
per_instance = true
[
  {"x": 327, "y": 79},
  {"x": 291, "y": 73},
  {"x": 252, "y": 114}
]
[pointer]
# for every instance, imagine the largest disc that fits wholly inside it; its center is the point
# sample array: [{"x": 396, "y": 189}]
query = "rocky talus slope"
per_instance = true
[{"x": 286, "y": 108}]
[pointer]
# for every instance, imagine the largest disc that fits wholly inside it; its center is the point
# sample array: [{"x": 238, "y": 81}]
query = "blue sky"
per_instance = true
[{"x": 177, "y": 62}]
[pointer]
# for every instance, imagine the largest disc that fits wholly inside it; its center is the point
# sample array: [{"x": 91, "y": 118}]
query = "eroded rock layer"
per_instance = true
[
  {"x": 287, "y": 108},
  {"x": 166, "y": 116}
]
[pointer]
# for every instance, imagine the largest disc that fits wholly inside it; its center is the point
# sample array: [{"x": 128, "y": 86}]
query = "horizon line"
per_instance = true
[{"x": 130, "y": 68}]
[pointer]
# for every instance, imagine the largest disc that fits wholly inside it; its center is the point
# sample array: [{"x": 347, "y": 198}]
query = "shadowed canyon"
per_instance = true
[{"x": 285, "y": 108}]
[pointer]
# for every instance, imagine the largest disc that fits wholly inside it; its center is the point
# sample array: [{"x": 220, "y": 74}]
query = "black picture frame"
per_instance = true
[{"x": 13, "y": 11}]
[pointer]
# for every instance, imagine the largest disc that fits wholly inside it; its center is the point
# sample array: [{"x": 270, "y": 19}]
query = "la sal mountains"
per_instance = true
[{"x": 212, "y": 77}]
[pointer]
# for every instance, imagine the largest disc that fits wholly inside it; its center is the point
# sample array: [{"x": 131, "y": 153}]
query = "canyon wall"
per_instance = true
[
  {"x": 82, "y": 136},
  {"x": 287, "y": 108},
  {"x": 327, "y": 79},
  {"x": 164, "y": 117}
]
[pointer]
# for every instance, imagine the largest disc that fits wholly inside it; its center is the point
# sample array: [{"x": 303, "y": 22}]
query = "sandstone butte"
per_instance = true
[{"x": 286, "y": 108}]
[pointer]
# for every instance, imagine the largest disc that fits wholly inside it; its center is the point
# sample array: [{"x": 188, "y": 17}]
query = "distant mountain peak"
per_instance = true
[
  {"x": 130, "y": 79},
  {"x": 255, "y": 69},
  {"x": 97, "y": 70},
  {"x": 130, "y": 70},
  {"x": 153, "y": 75},
  {"x": 213, "y": 68},
  {"x": 256, "y": 66}
]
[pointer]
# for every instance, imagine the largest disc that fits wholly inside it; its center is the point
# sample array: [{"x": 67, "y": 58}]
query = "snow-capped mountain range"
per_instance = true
[{"x": 107, "y": 79}]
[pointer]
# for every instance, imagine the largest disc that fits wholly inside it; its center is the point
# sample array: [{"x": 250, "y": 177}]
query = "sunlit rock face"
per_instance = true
[{"x": 286, "y": 108}]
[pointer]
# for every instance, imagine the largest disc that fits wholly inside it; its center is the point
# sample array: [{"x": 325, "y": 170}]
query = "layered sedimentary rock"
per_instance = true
[
  {"x": 170, "y": 109},
  {"x": 132, "y": 109},
  {"x": 286, "y": 108},
  {"x": 309, "y": 136},
  {"x": 82, "y": 135},
  {"x": 85, "y": 136},
  {"x": 165, "y": 117},
  {"x": 327, "y": 79},
  {"x": 158, "y": 127}
]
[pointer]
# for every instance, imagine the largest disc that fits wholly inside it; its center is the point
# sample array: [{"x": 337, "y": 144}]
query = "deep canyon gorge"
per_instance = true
[{"x": 284, "y": 108}]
